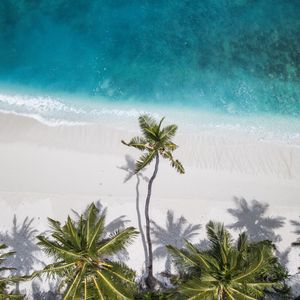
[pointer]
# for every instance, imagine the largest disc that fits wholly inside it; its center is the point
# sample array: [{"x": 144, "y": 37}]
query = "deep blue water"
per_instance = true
[{"x": 231, "y": 56}]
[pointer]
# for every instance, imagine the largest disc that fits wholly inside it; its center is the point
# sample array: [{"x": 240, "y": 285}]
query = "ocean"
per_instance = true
[{"x": 209, "y": 63}]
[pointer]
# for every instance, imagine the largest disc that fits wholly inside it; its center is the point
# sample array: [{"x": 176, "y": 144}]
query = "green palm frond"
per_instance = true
[
  {"x": 147, "y": 122},
  {"x": 170, "y": 146},
  {"x": 226, "y": 270},
  {"x": 181, "y": 258},
  {"x": 168, "y": 132},
  {"x": 144, "y": 161},
  {"x": 10, "y": 296},
  {"x": 117, "y": 242},
  {"x": 175, "y": 163},
  {"x": 137, "y": 142},
  {"x": 94, "y": 226},
  {"x": 197, "y": 289},
  {"x": 155, "y": 140},
  {"x": 82, "y": 257},
  {"x": 56, "y": 249}
]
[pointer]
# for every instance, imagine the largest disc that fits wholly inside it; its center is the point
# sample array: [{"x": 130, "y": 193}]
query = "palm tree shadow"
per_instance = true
[
  {"x": 129, "y": 168},
  {"x": 251, "y": 217},
  {"x": 22, "y": 241},
  {"x": 297, "y": 231},
  {"x": 38, "y": 292},
  {"x": 283, "y": 256},
  {"x": 111, "y": 228},
  {"x": 175, "y": 233}
]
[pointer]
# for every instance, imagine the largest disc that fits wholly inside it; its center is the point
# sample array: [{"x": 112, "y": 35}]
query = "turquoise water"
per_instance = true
[{"x": 231, "y": 56}]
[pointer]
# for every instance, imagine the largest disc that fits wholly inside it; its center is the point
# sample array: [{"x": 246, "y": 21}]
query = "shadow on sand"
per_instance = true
[
  {"x": 129, "y": 168},
  {"x": 296, "y": 224},
  {"x": 21, "y": 239},
  {"x": 251, "y": 216},
  {"x": 39, "y": 294},
  {"x": 175, "y": 233}
]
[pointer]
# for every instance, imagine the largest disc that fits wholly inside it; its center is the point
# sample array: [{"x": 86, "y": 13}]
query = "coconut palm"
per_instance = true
[
  {"x": 225, "y": 271},
  {"x": 5, "y": 281},
  {"x": 155, "y": 142},
  {"x": 83, "y": 258},
  {"x": 114, "y": 225},
  {"x": 176, "y": 232}
]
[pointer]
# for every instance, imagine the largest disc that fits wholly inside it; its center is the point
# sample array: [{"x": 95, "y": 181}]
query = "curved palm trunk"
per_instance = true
[
  {"x": 150, "y": 280},
  {"x": 140, "y": 219}
]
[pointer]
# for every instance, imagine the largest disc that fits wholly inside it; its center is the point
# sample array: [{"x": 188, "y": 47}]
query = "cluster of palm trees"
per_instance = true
[
  {"x": 85, "y": 256},
  {"x": 82, "y": 254}
]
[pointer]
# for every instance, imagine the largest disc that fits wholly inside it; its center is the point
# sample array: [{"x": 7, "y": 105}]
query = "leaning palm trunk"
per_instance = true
[
  {"x": 141, "y": 230},
  {"x": 150, "y": 279}
]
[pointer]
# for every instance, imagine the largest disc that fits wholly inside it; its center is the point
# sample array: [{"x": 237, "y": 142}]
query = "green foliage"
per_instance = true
[
  {"x": 5, "y": 281},
  {"x": 226, "y": 270},
  {"x": 155, "y": 141},
  {"x": 148, "y": 295},
  {"x": 82, "y": 258}
]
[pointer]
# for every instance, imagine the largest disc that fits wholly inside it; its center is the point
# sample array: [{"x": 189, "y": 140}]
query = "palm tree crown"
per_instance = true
[
  {"x": 154, "y": 141},
  {"x": 82, "y": 258},
  {"x": 225, "y": 270}
]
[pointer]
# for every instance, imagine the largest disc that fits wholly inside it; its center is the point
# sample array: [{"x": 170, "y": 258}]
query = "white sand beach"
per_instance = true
[{"x": 48, "y": 170}]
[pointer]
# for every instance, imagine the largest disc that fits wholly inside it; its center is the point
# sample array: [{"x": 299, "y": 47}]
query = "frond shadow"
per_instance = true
[
  {"x": 296, "y": 243},
  {"x": 38, "y": 293},
  {"x": 251, "y": 217},
  {"x": 175, "y": 233},
  {"x": 296, "y": 224},
  {"x": 22, "y": 240}
]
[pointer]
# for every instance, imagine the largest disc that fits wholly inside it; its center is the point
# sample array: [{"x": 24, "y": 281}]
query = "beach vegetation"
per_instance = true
[
  {"x": 156, "y": 141},
  {"x": 82, "y": 258},
  {"x": 226, "y": 270}
]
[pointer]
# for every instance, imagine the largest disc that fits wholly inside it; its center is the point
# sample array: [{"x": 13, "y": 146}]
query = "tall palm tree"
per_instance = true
[
  {"x": 226, "y": 270},
  {"x": 176, "y": 232},
  {"x": 82, "y": 258},
  {"x": 155, "y": 142},
  {"x": 5, "y": 281}
]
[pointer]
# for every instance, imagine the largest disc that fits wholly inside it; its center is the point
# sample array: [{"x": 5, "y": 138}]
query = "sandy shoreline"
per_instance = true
[{"x": 47, "y": 171}]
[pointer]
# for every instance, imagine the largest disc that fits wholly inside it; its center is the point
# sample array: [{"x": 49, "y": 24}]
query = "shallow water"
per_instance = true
[{"x": 235, "y": 57}]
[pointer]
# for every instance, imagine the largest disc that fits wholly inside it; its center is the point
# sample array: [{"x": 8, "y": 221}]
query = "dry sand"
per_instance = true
[{"x": 48, "y": 170}]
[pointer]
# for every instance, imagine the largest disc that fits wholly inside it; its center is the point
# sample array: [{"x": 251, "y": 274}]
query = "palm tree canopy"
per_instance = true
[
  {"x": 226, "y": 270},
  {"x": 155, "y": 140},
  {"x": 83, "y": 257}
]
